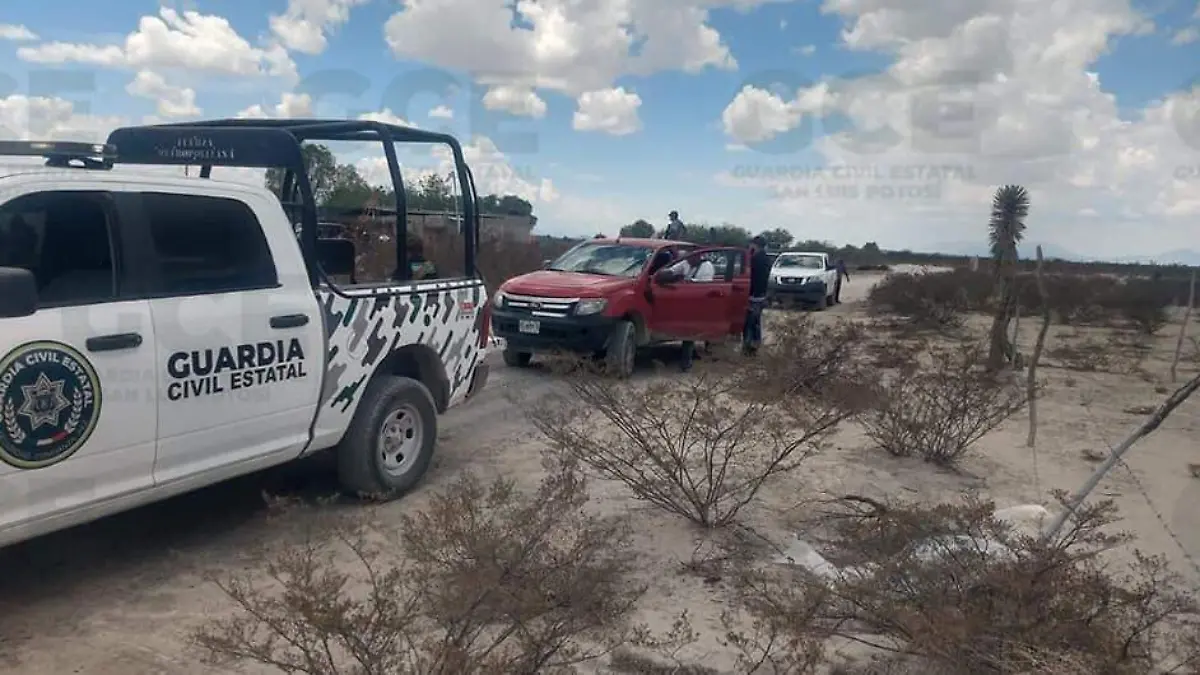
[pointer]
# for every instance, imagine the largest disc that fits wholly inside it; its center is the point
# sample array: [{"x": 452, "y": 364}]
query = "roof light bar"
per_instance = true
[{"x": 62, "y": 153}]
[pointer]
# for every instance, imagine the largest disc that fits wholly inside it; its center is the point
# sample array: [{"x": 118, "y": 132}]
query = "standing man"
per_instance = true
[
  {"x": 760, "y": 276},
  {"x": 840, "y": 265},
  {"x": 675, "y": 227}
]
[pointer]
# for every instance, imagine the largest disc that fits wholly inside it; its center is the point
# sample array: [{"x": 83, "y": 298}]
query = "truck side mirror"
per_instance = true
[
  {"x": 18, "y": 293},
  {"x": 546, "y": 263}
]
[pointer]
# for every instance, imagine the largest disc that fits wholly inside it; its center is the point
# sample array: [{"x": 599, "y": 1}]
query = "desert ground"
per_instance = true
[{"x": 119, "y": 596}]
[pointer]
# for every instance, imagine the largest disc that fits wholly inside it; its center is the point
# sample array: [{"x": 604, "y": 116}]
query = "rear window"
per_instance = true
[{"x": 208, "y": 244}]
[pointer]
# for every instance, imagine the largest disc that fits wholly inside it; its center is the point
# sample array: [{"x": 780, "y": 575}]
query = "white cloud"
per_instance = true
[
  {"x": 516, "y": 100},
  {"x": 612, "y": 111},
  {"x": 387, "y": 117},
  {"x": 559, "y": 45},
  {"x": 1186, "y": 36},
  {"x": 290, "y": 106},
  {"x": 42, "y": 118},
  {"x": 186, "y": 40},
  {"x": 806, "y": 50},
  {"x": 441, "y": 112},
  {"x": 16, "y": 33},
  {"x": 172, "y": 101},
  {"x": 979, "y": 93},
  {"x": 305, "y": 23}
]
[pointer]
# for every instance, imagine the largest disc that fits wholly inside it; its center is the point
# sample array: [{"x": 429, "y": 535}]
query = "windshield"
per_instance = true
[
  {"x": 613, "y": 260},
  {"x": 805, "y": 261}
]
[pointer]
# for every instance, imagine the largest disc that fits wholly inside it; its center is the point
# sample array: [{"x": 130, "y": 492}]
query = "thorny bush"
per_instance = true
[
  {"x": 938, "y": 300},
  {"x": 930, "y": 300},
  {"x": 702, "y": 447},
  {"x": 939, "y": 411},
  {"x": 486, "y": 579},
  {"x": 964, "y": 593}
]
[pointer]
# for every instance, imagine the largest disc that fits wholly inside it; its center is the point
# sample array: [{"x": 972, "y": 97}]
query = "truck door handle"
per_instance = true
[
  {"x": 715, "y": 294},
  {"x": 289, "y": 321},
  {"x": 110, "y": 343}
]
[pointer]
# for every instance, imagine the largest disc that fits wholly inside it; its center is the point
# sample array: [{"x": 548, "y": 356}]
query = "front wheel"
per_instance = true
[
  {"x": 621, "y": 355},
  {"x": 516, "y": 359},
  {"x": 391, "y": 439}
]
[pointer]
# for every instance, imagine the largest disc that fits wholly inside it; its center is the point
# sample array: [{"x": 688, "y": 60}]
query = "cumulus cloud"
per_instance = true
[
  {"x": 978, "y": 93},
  {"x": 172, "y": 101},
  {"x": 611, "y": 111},
  {"x": 184, "y": 40},
  {"x": 304, "y": 25},
  {"x": 559, "y": 45}
]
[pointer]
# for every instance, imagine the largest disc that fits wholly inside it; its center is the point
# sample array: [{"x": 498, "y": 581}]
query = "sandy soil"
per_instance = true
[{"x": 118, "y": 596}]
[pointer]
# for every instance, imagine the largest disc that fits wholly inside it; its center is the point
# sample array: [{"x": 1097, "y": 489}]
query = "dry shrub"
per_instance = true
[
  {"x": 702, "y": 447},
  {"x": 965, "y": 593},
  {"x": 486, "y": 579},
  {"x": 938, "y": 412},
  {"x": 932, "y": 300},
  {"x": 499, "y": 258},
  {"x": 1143, "y": 303},
  {"x": 1087, "y": 356}
]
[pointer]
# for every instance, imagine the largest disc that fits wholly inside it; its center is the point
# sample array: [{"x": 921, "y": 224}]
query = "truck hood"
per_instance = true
[{"x": 553, "y": 284}]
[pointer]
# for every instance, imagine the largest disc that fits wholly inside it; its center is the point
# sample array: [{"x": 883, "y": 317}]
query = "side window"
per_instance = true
[
  {"x": 717, "y": 268},
  {"x": 66, "y": 239},
  {"x": 207, "y": 245}
]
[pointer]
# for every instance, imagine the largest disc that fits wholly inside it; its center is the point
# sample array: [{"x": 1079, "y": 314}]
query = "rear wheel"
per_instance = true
[
  {"x": 621, "y": 354},
  {"x": 391, "y": 439},
  {"x": 516, "y": 359}
]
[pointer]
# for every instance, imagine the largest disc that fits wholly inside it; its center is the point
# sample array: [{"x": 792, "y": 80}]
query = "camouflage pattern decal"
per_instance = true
[{"x": 446, "y": 316}]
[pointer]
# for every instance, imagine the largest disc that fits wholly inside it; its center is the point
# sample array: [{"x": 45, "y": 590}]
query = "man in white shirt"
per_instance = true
[{"x": 705, "y": 272}]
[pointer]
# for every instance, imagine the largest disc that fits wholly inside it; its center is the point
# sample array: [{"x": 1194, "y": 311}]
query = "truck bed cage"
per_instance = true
[{"x": 276, "y": 143}]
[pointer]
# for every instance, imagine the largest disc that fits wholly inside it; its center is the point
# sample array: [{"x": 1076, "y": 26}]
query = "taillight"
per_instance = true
[{"x": 485, "y": 330}]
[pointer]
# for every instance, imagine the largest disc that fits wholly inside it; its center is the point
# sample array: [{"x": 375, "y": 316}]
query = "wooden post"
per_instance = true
[
  {"x": 1187, "y": 317},
  {"x": 1031, "y": 377},
  {"x": 1152, "y": 422}
]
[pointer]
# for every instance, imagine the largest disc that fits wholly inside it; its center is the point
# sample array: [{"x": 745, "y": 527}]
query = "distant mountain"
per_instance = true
[
  {"x": 1177, "y": 257},
  {"x": 1027, "y": 250}
]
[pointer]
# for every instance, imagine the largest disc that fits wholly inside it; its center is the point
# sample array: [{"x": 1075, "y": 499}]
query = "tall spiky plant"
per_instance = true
[{"x": 1006, "y": 229}]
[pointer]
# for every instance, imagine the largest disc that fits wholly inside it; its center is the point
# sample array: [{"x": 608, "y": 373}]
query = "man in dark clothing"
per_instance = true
[
  {"x": 840, "y": 266},
  {"x": 760, "y": 276}
]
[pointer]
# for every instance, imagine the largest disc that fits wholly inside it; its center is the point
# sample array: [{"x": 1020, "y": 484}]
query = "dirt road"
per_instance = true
[{"x": 115, "y": 597}]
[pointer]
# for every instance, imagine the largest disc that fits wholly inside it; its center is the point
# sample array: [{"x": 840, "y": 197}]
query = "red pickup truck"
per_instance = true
[{"x": 610, "y": 297}]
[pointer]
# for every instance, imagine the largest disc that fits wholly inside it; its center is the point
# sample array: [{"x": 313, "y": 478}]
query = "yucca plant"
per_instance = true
[{"x": 1006, "y": 229}]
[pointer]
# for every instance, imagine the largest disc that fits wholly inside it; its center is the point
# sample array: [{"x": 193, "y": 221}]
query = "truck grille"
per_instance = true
[{"x": 556, "y": 308}]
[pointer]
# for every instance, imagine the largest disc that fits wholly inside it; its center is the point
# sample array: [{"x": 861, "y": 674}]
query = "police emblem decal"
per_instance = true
[{"x": 49, "y": 404}]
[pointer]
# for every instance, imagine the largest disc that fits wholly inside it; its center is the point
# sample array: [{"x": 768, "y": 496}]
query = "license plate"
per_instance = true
[{"x": 530, "y": 327}]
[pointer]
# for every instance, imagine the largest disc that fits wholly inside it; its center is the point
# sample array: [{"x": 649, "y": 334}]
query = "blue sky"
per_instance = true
[{"x": 682, "y": 148}]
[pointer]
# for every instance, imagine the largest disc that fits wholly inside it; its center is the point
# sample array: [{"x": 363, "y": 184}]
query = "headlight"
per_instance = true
[
  {"x": 589, "y": 306},
  {"x": 498, "y": 298}
]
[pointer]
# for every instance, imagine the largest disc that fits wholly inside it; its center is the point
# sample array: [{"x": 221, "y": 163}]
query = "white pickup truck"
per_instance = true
[
  {"x": 160, "y": 333},
  {"x": 802, "y": 278}
]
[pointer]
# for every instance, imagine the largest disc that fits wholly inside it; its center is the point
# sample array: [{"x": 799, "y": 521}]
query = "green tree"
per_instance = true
[
  {"x": 348, "y": 189},
  {"x": 1006, "y": 229},
  {"x": 322, "y": 170},
  {"x": 778, "y": 238},
  {"x": 638, "y": 229},
  {"x": 721, "y": 235}
]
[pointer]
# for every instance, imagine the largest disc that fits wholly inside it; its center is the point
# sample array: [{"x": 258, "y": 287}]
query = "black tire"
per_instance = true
[
  {"x": 516, "y": 359},
  {"x": 621, "y": 354},
  {"x": 362, "y": 468}
]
